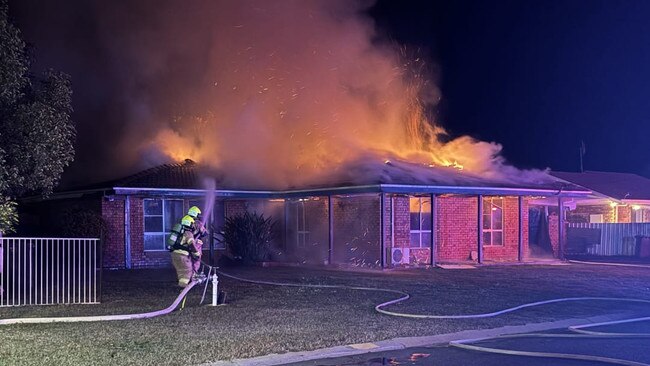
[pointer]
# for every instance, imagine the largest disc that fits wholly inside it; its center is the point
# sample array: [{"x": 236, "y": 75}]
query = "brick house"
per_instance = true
[
  {"x": 614, "y": 221},
  {"x": 617, "y": 197},
  {"x": 371, "y": 224}
]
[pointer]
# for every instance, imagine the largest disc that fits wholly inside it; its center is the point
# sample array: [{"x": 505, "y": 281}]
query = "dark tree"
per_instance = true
[{"x": 36, "y": 132}]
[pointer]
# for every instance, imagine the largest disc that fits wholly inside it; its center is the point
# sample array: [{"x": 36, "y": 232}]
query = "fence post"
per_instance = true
[
  {"x": 2, "y": 261},
  {"x": 101, "y": 263}
]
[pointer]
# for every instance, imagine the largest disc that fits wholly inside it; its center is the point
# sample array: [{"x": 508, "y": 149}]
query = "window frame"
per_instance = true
[
  {"x": 489, "y": 201},
  {"x": 419, "y": 231},
  {"x": 165, "y": 231},
  {"x": 304, "y": 233}
]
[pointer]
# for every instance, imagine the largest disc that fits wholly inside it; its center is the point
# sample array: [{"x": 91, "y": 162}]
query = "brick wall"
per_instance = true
[
  {"x": 582, "y": 213},
  {"x": 616, "y": 214},
  {"x": 402, "y": 218},
  {"x": 624, "y": 214},
  {"x": 457, "y": 225},
  {"x": 113, "y": 251},
  {"x": 140, "y": 258},
  {"x": 397, "y": 230},
  {"x": 457, "y": 228},
  {"x": 510, "y": 249},
  {"x": 356, "y": 230}
]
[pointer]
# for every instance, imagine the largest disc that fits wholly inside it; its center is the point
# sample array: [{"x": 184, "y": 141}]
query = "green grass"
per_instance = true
[{"x": 262, "y": 319}]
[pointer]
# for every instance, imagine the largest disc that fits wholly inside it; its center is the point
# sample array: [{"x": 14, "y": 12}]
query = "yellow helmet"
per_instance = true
[
  {"x": 194, "y": 211},
  {"x": 187, "y": 220}
]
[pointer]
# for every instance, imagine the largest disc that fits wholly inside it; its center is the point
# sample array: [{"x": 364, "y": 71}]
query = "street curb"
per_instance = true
[{"x": 409, "y": 342}]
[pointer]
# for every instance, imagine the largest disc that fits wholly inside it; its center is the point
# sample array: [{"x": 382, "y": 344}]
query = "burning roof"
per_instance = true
[{"x": 190, "y": 175}]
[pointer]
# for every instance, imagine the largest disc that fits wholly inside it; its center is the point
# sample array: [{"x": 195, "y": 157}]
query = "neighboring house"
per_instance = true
[
  {"x": 618, "y": 197},
  {"x": 615, "y": 221},
  {"x": 398, "y": 219}
]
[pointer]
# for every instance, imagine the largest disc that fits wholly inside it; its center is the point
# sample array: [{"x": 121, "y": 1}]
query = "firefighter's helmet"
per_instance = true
[
  {"x": 187, "y": 220},
  {"x": 194, "y": 212}
]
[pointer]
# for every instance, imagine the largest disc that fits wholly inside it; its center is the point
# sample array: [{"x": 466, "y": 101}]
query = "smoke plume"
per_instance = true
[{"x": 276, "y": 94}]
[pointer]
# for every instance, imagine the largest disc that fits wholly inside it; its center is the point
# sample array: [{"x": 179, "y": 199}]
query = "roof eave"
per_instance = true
[
  {"x": 374, "y": 188},
  {"x": 488, "y": 191}
]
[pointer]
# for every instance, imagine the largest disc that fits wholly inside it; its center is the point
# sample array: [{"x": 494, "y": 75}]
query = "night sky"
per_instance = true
[{"x": 537, "y": 77}]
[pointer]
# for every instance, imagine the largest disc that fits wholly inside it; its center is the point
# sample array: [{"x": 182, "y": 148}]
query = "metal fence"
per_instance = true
[
  {"x": 612, "y": 239},
  {"x": 47, "y": 271}
]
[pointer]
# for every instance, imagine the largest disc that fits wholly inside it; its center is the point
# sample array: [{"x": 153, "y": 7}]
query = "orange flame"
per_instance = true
[{"x": 297, "y": 92}]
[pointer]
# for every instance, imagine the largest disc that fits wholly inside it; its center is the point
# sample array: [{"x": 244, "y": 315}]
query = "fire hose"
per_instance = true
[
  {"x": 74, "y": 319},
  {"x": 466, "y": 344},
  {"x": 180, "y": 300}
]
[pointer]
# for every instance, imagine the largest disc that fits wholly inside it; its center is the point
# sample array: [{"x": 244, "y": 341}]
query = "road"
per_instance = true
[{"x": 632, "y": 349}]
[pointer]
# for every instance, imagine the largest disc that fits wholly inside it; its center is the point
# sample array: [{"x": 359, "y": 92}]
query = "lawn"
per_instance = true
[{"x": 263, "y": 319}]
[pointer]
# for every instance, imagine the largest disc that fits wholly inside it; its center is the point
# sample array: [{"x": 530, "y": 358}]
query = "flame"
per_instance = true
[
  {"x": 297, "y": 89},
  {"x": 453, "y": 164}
]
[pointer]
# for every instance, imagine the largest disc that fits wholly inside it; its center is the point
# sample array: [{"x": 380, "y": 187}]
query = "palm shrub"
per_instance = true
[{"x": 248, "y": 236}]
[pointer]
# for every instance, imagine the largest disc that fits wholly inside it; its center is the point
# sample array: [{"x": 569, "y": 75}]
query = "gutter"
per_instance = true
[
  {"x": 402, "y": 188},
  {"x": 65, "y": 195},
  {"x": 251, "y": 193},
  {"x": 372, "y": 188},
  {"x": 376, "y": 188}
]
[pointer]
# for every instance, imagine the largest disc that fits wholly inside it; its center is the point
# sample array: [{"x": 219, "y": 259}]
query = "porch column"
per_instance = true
[
  {"x": 2, "y": 259},
  {"x": 560, "y": 228},
  {"x": 287, "y": 202},
  {"x": 330, "y": 223},
  {"x": 211, "y": 232},
  {"x": 480, "y": 229},
  {"x": 434, "y": 223},
  {"x": 382, "y": 239},
  {"x": 127, "y": 232},
  {"x": 520, "y": 247}
]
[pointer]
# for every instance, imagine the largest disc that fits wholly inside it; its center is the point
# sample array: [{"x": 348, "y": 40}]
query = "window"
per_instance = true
[
  {"x": 302, "y": 230},
  {"x": 420, "y": 222},
  {"x": 596, "y": 219},
  {"x": 159, "y": 218},
  {"x": 217, "y": 220},
  {"x": 493, "y": 221}
]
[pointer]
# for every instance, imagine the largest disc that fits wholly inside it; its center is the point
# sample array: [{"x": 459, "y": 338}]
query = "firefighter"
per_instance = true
[
  {"x": 199, "y": 231},
  {"x": 195, "y": 212},
  {"x": 199, "y": 226},
  {"x": 184, "y": 253}
]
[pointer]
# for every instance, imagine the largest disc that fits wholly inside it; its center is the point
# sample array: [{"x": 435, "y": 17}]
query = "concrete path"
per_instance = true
[{"x": 410, "y": 342}]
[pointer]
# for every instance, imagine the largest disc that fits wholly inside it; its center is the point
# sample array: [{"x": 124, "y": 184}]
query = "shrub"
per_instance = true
[
  {"x": 86, "y": 223},
  {"x": 248, "y": 237}
]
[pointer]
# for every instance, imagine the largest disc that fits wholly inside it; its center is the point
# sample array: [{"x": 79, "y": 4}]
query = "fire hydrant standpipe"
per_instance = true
[{"x": 215, "y": 287}]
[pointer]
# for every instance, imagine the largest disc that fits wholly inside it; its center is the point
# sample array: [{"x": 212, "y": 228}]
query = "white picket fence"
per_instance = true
[{"x": 48, "y": 271}]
